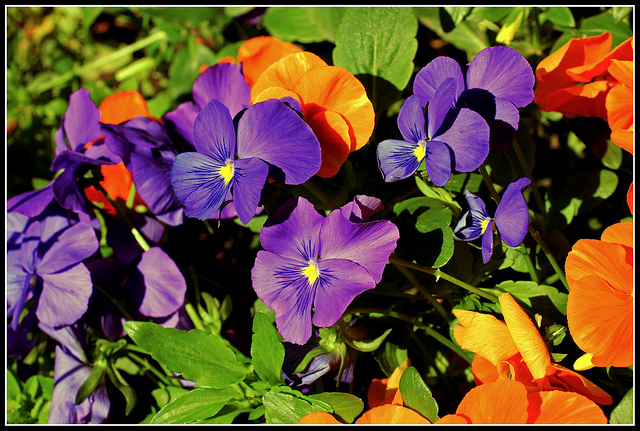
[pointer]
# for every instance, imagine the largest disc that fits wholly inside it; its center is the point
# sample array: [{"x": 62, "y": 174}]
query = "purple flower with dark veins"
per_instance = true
[
  {"x": 312, "y": 265},
  {"x": 511, "y": 219}
]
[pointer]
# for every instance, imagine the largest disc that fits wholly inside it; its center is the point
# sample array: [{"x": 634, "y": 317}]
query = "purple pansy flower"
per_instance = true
[
  {"x": 499, "y": 80},
  {"x": 270, "y": 140},
  {"x": 511, "y": 219},
  {"x": 439, "y": 143},
  {"x": 323, "y": 363},
  {"x": 310, "y": 262}
]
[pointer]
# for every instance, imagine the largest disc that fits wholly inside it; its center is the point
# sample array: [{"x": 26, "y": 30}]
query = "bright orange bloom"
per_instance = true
[
  {"x": 600, "y": 303},
  {"x": 258, "y": 53},
  {"x": 385, "y": 391},
  {"x": 576, "y": 79},
  {"x": 116, "y": 109},
  {"x": 514, "y": 350},
  {"x": 385, "y": 414},
  {"x": 334, "y": 104},
  {"x": 630, "y": 198},
  {"x": 619, "y": 104},
  {"x": 508, "y": 402}
]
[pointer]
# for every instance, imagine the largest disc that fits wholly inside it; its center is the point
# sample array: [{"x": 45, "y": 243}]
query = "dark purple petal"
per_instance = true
[
  {"x": 72, "y": 159},
  {"x": 125, "y": 246},
  {"x": 281, "y": 284},
  {"x": 397, "y": 159},
  {"x": 180, "y": 121},
  {"x": 293, "y": 231},
  {"x": 60, "y": 140},
  {"x": 75, "y": 244},
  {"x": 224, "y": 82},
  {"x": 213, "y": 132},
  {"x": 430, "y": 77},
  {"x": 512, "y": 214},
  {"x": 438, "y": 162},
  {"x": 411, "y": 121},
  {"x": 71, "y": 338},
  {"x": 468, "y": 137},
  {"x": 442, "y": 101},
  {"x": 339, "y": 281},
  {"x": 465, "y": 230},
  {"x": 250, "y": 176},
  {"x": 65, "y": 296},
  {"x": 475, "y": 203},
  {"x": 487, "y": 243},
  {"x": 198, "y": 184},
  {"x": 17, "y": 287},
  {"x": 505, "y": 73},
  {"x": 368, "y": 244},
  {"x": 164, "y": 284},
  {"x": 361, "y": 208},
  {"x": 275, "y": 133},
  {"x": 81, "y": 120},
  {"x": 31, "y": 203}
]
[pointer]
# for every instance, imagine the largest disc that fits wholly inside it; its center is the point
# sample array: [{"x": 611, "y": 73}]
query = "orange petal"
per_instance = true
[
  {"x": 600, "y": 320},
  {"x": 623, "y": 139},
  {"x": 619, "y": 106},
  {"x": 332, "y": 132},
  {"x": 599, "y": 64},
  {"x": 622, "y": 70},
  {"x": 484, "y": 335},
  {"x": 483, "y": 370},
  {"x": 557, "y": 407},
  {"x": 394, "y": 379},
  {"x": 335, "y": 89},
  {"x": 501, "y": 402},
  {"x": 570, "y": 381},
  {"x": 323, "y": 418},
  {"x": 391, "y": 414},
  {"x": 525, "y": 335},
  {"x": 583, "y": 101},
  {"x": 376, "y": 395},
  {"x": 123, "y": 106},
  {"x": 603, "y": 259},
  {"x": 258, "y": 53},
  {"x": 275, "y": 93},
  {"x": 452, "y": 420},
  {"x": 630, "y": 197},
  {"x": 263, "y": 56},
  {"x": 619, "y": 233}
]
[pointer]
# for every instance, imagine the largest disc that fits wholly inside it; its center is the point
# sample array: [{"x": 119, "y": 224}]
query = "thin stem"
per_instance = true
[
  {"x": 525, "y": 166},
  {"x": 147, "y": 366},
  {"x": 113, "y": 301},
  {"x": 530, "y": 266},
  {"x": 534, "y": 233},
  {"x": 439, "y": 274},
  {"x": 320, "y": 195},
  {"x": 489, "y": 183}
]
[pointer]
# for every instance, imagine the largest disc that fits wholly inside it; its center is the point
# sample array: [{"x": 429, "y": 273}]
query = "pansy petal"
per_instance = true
[
  {"x": 65, "y": 296},
  {"x": 504, "y": 72},
  {"x": 397, "y": 159},
  {"x": 82, "y": 120},
  {"x": 273, "y": 132},
  {"x": 431, "y": 76},
  {"x": 213, "y": 132},
  {"x": 438, "y": 162},
  {"x": 512, "y": 214},
  {"x": 361, "y": 208},
  {"x": 440, "y": 104},
  {"x": 487, "y": 242},
  {"x": 250, "y": 176},
  {"x": 571, "y": 381},
  {"x": 180, "y": 121},
  {"x": 225, "y": 83},
  {"x": 472, "y": 335},
  {"x": 123, "y": 106},
  {"x": 559, "y": 407},
  {"x": 31, "y": 203},
  {"x": 259, "y": 53},
  {"x": 275, "y": 93},
  {"x": 501, "y": 402},
  {"x": 319, "y": 418},
  {"x": 75, "y": 244},
  {"x": 619, "y": 233},
  {"x": 343, "y": 239},
  {"x": 411, "y": 120},
  {"x": 603, "y": 259},
  {"x": 338, "y": 282},
  {"x": 392, "y": 415},
  {"x": 468, "y": 137},
  {"x": 332, "y": 132}
]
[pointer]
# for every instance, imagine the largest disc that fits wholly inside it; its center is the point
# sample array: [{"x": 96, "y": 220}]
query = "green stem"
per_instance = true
[
  {"x": 439, "y": 274},
  {"x": 530, "y": 266},
  {"x": 489, "y": 183},
  {"x": 534, "y": 233},
  {"x": 113, "y": 301},
  {"x": 326, "y": 201},
  {"x": 146, "y": 366},
  {"x": 525, "y": 166}
]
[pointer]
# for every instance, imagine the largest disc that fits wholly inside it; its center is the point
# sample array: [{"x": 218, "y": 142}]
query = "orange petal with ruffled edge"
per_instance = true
[
  {"x": 630, "y": 197},
  {"x": 335, "y": 89},
  {"x": 557, "y": 407},
  {"x": 385, "y": 391},
  {"x": 600, "y": 258},
  {"x": 275, "y": 93},
  {"x": 525, "y": 335},
  {"x": 333, "y": 134},
  {"x": 570, "y": 381},
  {"x": 623, "y": 139},
  {"x": 619, "y": 105},
  {"x": 586, "y": 100},
  {"x": 599, "y": 65},
  {"x": 123, "y": 106},
  {"x": 391, "y": 414},
  {"x": 286, "y": 72},
  {"x": 322, "y": 418},
  {"x": 258, "y": 53},
  {"x": 501, "y": 402},
  {"x": 484, "y": 335},
  {"x": 452, "y": 420},
  {"x": 619, "y": 233}
]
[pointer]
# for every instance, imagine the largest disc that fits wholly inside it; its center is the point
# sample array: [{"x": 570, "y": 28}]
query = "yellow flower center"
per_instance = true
[
  {"x": 483, "y": 224},
  {"x": 226, "y": 172},
  {"x": 420, "y": 151},
  {"x": 311, "y": 272}
]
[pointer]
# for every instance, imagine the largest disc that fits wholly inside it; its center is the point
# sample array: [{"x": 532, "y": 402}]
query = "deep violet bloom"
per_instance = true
[
  {"x": 223, "y": 82},
  {"x": 511, "y": 219},
  {"x": 465, "y": 143},
  {"x": 323, "y": 363},
  {"x": 270, "y": 140},
  {"x": 499, "y": 80},
  {"x": 310, "y": 262}
]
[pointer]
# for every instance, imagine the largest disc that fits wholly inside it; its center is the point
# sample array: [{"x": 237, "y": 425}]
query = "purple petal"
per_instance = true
[
  {"x": 224, "y": 82},
  {"x": 430, "y": 77},
  {"x": 361, "y": 208},
  {"x": 368, "y": 244},
  {"x": 505, "y": 73},
  {"x": 181, "y": 120},
  {"x": 438, "y": 162},
  {"x": 465, "y": 229},
  {"x": 250, "y": 176},
  {"x": 281, "y": 284},
  {"x": 487, "y": 243},
  {"x": 31, "y": 203},
  {"x": 81, "y": 120},
  {"x": 475, "y": 203},
  {"x": 512, "y": 214},
  {"x": 72, "y": 246},
  {"x": 273, "y": 132},
  {"x": 198, "y": 184},
  {"x": 213, "y": 132},
  {"x": 411, "y": 120},
  {"x": 339, "y": 281},
  {"x": 397, "y": 159},
  {"x": 164, "y": 284},
  {"x": 468, "y": 137},
  {"x": 442, "y": 101},
  {"x": 293, "y": 230},
  {"x": 65, "y": 296}
]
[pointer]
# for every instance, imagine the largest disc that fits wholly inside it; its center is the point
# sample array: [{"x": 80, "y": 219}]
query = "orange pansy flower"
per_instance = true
[
  {"x": 333, "y": 101},
  {"x": 516, "y": 351},
  {"x": 115, "y": 109},
  {"x": 385, "y": 391},
  {"x": 384, "y": 414},
  {"x": 600, "y": 303},
  {"x": 575, "y": 79},
  {"x": 508, "y": 402},
  {"x": 619, "y": 104},
  {"x": 258, "y": 53}
]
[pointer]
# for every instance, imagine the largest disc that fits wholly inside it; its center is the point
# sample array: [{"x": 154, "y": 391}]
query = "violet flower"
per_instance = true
[
  {"x": 322, "y": 364},
  {"x": 464, "y": 143},
  {"x": 499, "y": 80},
  {"x": 270, "y": 140},
  {"x": 315, "y": 264},
  {"x": 511, "y": 219}
]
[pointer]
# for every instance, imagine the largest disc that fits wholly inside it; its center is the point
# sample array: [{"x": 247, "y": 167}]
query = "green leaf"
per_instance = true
[
  {"x": 346, "y": 406},
  {"x": 612, "y": 158},
  {"x": 493, "y": 14},
  {"x": 378, "y": 45},
  {"x": 287, "y": 408},
  {"x": 185, "y": 68},
  {"x": 303, "y": 24},
  {"x": 89, "y": 385},
  {"x": 199, "y": 356},
  {"x": 542, "y": 298},
  {"x": 267, "y": 351},
  {"x": 417, "y": 395},
  {"x": 195, "y": 405},
  {"x": 596, "y": 25},
  {"x": 368, "y": 345},
  {"x": 390, "y": 357},
  {"x": 561, "y": 16},
  {"x": 623, "y": 412}
]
